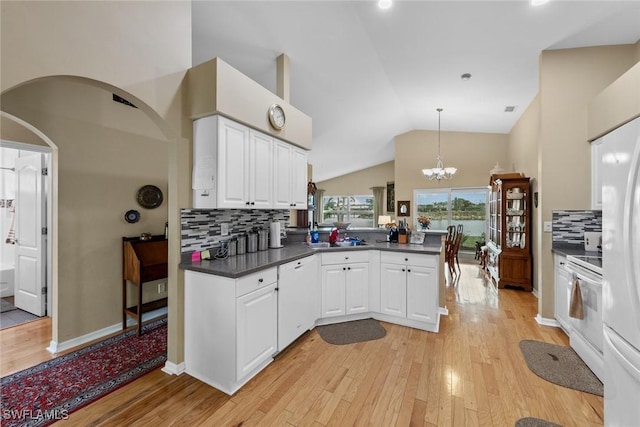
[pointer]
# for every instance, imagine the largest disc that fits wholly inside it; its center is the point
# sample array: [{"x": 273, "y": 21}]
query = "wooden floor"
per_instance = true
[{"x": 470, "y": 374}]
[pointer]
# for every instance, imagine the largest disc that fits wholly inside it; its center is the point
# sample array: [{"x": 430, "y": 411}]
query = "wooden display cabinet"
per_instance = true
[
  {"x": 510, "y": 259},
  {"x": 142, "y": 261}
]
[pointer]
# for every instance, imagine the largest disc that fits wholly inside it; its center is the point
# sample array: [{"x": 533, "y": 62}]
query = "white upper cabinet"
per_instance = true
[
  {"x": 238, "y": 167},
  {"x": 233, "y": 165},
  {"x": 260, "y": 170},
  {"x": 596, "y": 174},
  {"x": 290, "y": 186},
  {"x": 299, "y": 178}
]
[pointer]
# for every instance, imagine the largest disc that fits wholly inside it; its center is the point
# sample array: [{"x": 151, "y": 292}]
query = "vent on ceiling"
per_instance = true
[
  {"x": 122, "y": 101},
  {"x": 510, "y": 108}
]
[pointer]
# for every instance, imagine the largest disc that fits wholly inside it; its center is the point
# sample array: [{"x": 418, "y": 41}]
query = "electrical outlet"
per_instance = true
[
  {"x": 224, "y": 229},
  {"x": 548, "y": 227},
  {"x": 162, "y": 288}
]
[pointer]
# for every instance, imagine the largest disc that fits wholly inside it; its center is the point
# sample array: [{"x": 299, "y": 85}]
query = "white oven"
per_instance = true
[{"x": 587, "y": 335}]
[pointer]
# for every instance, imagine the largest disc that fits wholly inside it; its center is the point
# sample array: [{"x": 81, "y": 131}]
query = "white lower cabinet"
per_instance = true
[
  {"x": 231, "y": 330},
  {"x": 393, "y": 290},
  {"x": 409, "y": 289},
  {"x": 562, "y": 285},
  {"x": 257, "y": 328},
  {"x": 345, "y": 283},
  {"x": 234, "y": 327}
]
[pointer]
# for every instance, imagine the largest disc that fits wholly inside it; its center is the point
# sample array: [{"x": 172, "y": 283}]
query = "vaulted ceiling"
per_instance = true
[{"x": 365, "y": 75}]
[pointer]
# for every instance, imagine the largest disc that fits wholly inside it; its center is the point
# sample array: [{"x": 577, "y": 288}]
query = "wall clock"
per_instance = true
[{"x": 277, "y": 117}]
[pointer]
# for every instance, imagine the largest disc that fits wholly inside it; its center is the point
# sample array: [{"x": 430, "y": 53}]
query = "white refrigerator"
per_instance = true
[{"x": 620, "y": 170}]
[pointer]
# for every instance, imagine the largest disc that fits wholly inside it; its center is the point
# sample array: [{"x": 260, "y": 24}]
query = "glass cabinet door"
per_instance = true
[{"x": 515, "y": 216}]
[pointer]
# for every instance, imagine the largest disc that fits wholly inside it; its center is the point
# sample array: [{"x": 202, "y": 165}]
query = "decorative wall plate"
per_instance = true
[
  {"x": 149, "y": 196},
  {"x": 132, "y": 216}
]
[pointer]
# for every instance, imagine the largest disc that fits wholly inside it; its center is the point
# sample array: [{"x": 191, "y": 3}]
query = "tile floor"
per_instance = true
[{"x": 14, "y": 317}]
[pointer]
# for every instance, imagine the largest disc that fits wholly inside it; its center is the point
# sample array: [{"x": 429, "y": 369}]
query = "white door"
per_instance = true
[
  {"x": 393, "y": 290},
  {"x": 30, "y": 268},
  {"x": 333, "y": 290},
  {"x": 299, "y": 179},
  {"x": 261, "y": 160},
  {"x": 257, "y": 329},
  {"x": 233, "y": 163},
  {"x": 422, "y": 288},
  {"x": 282, "y": 182},
  {"x": 357, "y": 288}
]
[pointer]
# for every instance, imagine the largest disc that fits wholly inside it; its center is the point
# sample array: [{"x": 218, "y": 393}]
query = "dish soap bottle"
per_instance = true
[{"x": 308, "y": 236}]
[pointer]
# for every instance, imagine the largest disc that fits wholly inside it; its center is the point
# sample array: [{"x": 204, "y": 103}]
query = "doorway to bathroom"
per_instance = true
[{"x": 24, "y": 227}]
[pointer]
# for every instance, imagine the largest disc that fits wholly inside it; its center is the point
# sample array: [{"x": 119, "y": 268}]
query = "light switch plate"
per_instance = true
[
  {"x": 548, "y": 227},
  {"x": 224, "y": 229}
]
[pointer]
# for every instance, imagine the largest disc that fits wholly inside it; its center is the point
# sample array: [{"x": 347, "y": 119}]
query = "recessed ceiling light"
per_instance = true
[
  {"x": 510, "y": 108},
  {"x": 538, "y": 2},
  {"x": 384, "y": 4},
  {"x": 465, "y": 76}
]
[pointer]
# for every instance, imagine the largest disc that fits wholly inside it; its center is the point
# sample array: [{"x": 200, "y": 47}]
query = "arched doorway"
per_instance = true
[{"x": 104, "y": 151}]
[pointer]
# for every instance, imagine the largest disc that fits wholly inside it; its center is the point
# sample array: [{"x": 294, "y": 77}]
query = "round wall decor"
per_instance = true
[
  {"x": 149, "y": 196},
  {"x": 132, "y": 216}
]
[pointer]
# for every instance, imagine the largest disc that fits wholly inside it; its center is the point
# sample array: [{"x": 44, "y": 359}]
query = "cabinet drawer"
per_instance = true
[
  {"x": 254, "y": 281},
  {"x": 406, "y": 258},
  {"x": 344, "y": 257}
]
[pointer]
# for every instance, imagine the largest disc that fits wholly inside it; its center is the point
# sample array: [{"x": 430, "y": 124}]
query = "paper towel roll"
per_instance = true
[{"x": 274, "y": 235}]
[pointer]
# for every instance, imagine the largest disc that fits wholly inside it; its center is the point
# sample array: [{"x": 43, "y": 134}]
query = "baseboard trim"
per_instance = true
[
  {"x": 443, "y": 311},
  {"x": 547, "y": 322},
  {"x": 173, "y": 368},
  {"x": 56, "y": 347}
]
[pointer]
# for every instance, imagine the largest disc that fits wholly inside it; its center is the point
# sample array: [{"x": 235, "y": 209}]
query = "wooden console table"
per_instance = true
[{"x": 142, "y": 261}]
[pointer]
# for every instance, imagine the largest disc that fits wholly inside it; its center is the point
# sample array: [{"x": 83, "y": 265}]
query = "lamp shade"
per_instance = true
[{"x": 383, "y": 220}]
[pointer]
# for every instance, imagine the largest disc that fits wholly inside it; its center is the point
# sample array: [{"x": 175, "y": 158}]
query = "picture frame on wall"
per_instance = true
[
  {"x": 404, "y": 208},
  {"x": 391, "y": 197}
]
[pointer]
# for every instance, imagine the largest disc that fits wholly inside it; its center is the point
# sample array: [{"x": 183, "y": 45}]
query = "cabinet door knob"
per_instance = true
[
  {"x": 406, "y": 259},
  {"x": 247, "y": 203},
  {"x": 344, "y": 268},
  {"x": 409, "y": 270},
  {"x": 348, "y": 268},
  {"x": 561, "y": 263},
  {"x": 403, "y": 269},
  {"x": 260, "y": 280},
  {"x": 252, "y": 203}
]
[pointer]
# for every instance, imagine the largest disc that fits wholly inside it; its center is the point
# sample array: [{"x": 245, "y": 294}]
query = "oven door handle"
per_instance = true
[{"x": 582, "y": 276}]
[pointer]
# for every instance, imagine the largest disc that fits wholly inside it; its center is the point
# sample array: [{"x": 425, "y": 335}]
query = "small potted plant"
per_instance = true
[{"x": 424, "y": 222}]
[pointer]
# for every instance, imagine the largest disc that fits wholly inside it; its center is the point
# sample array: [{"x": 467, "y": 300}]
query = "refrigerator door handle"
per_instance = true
[{"x": 627, "y": 356}]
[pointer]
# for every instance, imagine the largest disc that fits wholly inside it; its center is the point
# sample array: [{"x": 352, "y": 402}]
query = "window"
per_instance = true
[
  {"x": 357, "y": 210},
  {"x": 453, "y": 206}
]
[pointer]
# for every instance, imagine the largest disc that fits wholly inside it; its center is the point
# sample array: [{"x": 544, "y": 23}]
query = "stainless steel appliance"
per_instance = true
[{"x": 586, "y": 335}]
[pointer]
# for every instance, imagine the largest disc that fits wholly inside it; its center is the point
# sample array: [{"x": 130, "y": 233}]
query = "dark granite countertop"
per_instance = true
[
  {"x": 241, "y": 265},
  {"x": 570, "y": 249}
]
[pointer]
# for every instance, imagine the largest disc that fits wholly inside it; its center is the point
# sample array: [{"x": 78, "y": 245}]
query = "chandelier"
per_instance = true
[{"x": 439, "y": 172}]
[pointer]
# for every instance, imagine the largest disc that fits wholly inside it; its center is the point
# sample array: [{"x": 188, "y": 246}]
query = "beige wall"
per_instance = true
[
  {"x": 569, "y": 79},
  {"x": 140, "y": 50},
  {"x": 359, "y": 182},
  {"x": 101, "y": 165},
  {"x": 617, "y": 104},
  {"x": 474, "y": 154},
  {"x": 215, "y": 87},
  {"x": 12, "y": 131},
  {"x": 523, "y": 156}
]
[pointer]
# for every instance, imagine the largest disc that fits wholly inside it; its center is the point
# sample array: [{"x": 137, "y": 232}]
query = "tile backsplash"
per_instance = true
[
  {"x": 569, "y": 225},
  {"x": 200, "y": 228}
]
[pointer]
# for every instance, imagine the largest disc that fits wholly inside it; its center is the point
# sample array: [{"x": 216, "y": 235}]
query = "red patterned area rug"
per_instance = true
[{"x": 50, "y": 391}]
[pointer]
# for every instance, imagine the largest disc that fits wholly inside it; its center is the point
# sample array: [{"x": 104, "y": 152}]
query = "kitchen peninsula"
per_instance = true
[{"x": 242, "y": 310}]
